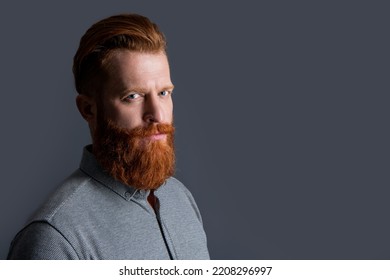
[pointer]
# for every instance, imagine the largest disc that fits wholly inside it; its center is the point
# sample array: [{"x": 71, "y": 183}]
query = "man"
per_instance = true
[{"x": 122, "y": 203}]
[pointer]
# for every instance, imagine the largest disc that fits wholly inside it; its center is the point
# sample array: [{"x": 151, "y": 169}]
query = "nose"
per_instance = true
[{"x": 153, "y": 111}]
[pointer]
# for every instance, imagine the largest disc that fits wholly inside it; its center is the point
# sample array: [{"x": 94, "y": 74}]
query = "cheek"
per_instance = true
[
  {"x": 125, "y": 117},
  {"x": 129, "y": 119},
  {"x": 169, "y": 111}
]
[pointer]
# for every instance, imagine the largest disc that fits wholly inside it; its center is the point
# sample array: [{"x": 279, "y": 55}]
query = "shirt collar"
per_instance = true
[{"x": 90, "y": 166}]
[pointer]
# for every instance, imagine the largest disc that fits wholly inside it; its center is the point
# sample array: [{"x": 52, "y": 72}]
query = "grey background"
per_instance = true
[{"x": 281, "y": 110}]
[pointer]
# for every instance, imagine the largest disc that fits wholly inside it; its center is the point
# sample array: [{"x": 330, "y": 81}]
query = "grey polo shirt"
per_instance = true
[{"x": 93, "y": 216}]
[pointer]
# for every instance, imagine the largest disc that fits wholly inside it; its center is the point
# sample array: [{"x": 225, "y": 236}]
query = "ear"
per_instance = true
[{"x": 87, "y": 108}]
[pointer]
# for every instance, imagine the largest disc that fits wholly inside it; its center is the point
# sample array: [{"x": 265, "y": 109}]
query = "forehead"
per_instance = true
[{"x": 127, "y": 68}]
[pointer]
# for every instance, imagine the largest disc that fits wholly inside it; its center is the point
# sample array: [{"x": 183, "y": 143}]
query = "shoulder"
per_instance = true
[
  {"x": 52, "y": 231},
  {"x": 174, "y": 186},
  {"x": 42, "y": 237},
  {"x": 179, "y": 192},
  {"x": 70, "y": 192},
  {"x": 41, "y": 241}
]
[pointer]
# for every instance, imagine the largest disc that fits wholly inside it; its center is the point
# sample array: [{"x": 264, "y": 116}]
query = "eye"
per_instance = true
[
  {"x": 165, "y": 93},
  {"x": 133, "y": 96}
]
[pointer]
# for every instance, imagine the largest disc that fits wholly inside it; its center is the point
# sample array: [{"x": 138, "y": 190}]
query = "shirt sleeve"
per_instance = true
[{"x": 41, "y": 241}]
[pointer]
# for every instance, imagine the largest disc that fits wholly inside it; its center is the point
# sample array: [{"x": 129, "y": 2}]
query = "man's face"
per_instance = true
[
  {"x": 133, "y": 135},
  {"x": 138, "y": 90}
]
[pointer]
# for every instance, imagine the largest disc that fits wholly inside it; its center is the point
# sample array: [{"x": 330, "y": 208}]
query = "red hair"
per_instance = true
[{"x": 127, "y": 31}]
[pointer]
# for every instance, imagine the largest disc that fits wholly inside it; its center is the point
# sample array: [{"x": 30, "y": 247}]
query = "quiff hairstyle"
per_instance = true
[{"x": 126, "y": 31}]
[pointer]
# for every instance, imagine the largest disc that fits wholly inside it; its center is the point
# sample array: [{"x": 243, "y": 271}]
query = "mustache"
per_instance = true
[{"x": 144, "y": 131}]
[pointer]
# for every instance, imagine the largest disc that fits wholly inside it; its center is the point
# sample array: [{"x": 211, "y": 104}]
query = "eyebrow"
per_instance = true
[{"x": 144, "y": 90}]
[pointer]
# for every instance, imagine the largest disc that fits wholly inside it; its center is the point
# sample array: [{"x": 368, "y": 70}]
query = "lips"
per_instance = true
[{"x": 157, "y": 136}]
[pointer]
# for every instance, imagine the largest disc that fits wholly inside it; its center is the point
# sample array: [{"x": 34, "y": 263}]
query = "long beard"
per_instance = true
[{"x": 132, "y": 157}]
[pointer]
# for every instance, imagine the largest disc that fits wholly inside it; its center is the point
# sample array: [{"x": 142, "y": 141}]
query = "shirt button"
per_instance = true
[{"x": 127, "y": 195}]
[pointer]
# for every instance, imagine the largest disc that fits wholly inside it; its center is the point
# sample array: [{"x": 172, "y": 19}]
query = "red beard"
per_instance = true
[{"x": 134, "y": 159}]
